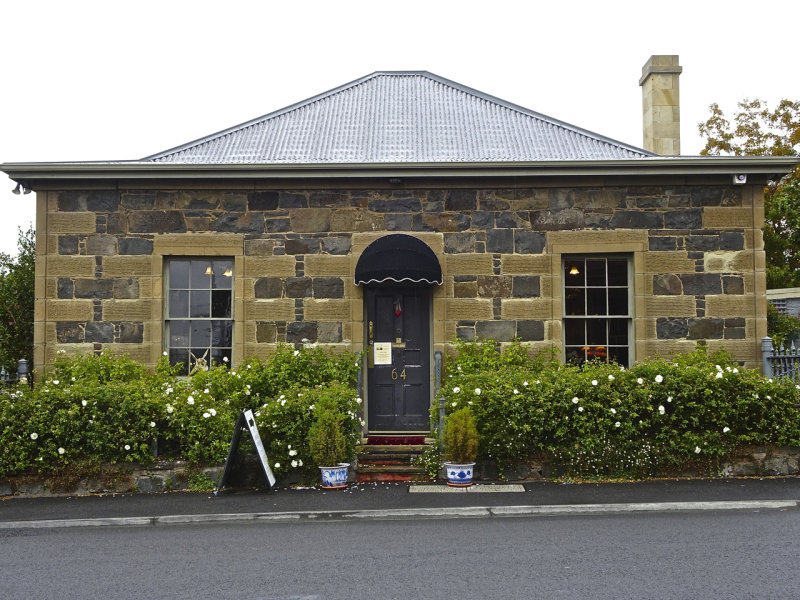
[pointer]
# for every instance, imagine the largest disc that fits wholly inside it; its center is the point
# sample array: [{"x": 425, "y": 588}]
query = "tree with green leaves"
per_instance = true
[
  {"x": 758, "y": 131},
  {"x": 16, "y": 302}
]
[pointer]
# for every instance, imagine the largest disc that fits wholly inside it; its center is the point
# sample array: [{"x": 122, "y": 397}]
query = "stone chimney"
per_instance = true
[{"x": 661, "y": 104}]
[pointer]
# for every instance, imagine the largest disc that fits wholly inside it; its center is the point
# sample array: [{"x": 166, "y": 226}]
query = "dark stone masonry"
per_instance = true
[{"x": 484, "y": 231}]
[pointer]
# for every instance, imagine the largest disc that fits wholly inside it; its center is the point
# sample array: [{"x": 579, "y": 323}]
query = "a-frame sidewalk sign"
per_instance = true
[{"x": 246, "y": 422}]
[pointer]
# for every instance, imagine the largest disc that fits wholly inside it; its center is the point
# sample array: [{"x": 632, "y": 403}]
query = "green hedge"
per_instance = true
[
  {"x": 596, "y": 421},
  {"x": 601, "y": 420},
  {"x": 107, "y": 408}
]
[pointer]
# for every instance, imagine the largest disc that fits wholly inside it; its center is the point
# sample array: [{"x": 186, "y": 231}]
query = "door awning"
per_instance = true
[{"x": 398, "y": 258}]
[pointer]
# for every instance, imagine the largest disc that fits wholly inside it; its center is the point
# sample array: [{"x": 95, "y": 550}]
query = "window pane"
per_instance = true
[
  {"x": 574, "y": 332},
  {"x": 223, "y": 274},
  {"x": 574, "y": 272},
  {"x": 617, "y": 271},
  {"x": 575, "y": 354},
  {"x": 221, "y": 304},
  {"x": 201, "y": 275},
  {"x": 596, "y": 332},
  {"x": 179, "y": 334},
  {"x": 618, "y": 332},
  {"x": 199, "y": 355},
  {"x": 574, "y": 303},
  {"x": 178, "y": 304},
  {"x": 221, "y": 332},
  {"x": 596, "y": 272},
  {"x": 200, "y": 304},
  {"x": 596, "y": 352},
  {"x": 178, "y": 274},
  {"x": 201, "y": 334},
  {"x": 596, "y": 301},
  {"x": 619, "y": 355},
  {"x": 180, "y": 356},
  {"x": 219, "y": 354},
  {"x": 618, "y": 301}
]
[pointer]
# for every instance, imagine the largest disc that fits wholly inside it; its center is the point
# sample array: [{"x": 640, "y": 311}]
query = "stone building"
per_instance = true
[
  {"x": 392, "y": 215},
  {"x": 785, "y": 300}
]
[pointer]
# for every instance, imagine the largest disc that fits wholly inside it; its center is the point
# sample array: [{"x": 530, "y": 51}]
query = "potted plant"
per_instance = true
[
  {"x": 460, "y": 441},
  {"x": 328, "y": 446}
]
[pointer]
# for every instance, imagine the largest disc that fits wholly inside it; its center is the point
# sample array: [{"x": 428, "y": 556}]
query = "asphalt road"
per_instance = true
[{"x": 731, "y": 555}]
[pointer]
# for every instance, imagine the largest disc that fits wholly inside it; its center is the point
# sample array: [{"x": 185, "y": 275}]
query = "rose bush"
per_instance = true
[
  {"x": 107, "y": 408},
  {"x": 601, "y": 420}
]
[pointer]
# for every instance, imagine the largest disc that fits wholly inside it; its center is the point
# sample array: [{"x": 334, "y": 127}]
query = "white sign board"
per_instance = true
[
  {"x": 245, "y": 422},
  {"x": 262, "y": 454},
  {"x": 383, "y": 353}
]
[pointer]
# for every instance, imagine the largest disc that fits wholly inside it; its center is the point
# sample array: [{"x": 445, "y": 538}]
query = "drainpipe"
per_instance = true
[
  {"x": 437, "y": 386},
  {"x": 359, "y": 384}
]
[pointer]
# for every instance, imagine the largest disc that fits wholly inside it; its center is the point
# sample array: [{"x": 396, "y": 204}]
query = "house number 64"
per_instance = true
[{"x": 402, "y": 374}]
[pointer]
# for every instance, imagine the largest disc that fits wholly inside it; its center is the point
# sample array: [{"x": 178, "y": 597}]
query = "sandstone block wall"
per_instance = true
[{"x": 696, "y": 256}]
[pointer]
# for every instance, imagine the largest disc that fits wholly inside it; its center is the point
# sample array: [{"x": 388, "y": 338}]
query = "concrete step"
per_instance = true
[
  {"x": 372, "y": 448},
  {"x": 390, "y": 473},
  {"x": 377, "y": 462}
]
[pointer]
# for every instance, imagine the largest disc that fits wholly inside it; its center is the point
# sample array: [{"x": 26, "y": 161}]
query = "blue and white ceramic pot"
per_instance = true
[
  {"x": 334, "y": 477},
  {"x": 459, "y": 475}
]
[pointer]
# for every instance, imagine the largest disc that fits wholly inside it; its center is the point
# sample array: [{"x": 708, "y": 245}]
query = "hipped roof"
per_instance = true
[
  {"x": 400, "y": 117},
  {"x": 389, "y": 124}
]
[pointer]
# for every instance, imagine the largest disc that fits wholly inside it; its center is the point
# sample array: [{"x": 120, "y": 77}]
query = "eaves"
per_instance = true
[{"x": 28, "y": 174}]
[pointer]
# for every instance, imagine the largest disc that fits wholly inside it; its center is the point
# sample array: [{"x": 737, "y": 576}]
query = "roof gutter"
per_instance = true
[{"x": 772, "y": 166}]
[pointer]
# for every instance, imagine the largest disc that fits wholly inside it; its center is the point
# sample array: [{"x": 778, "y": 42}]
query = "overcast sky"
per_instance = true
[{"x": 85, "y": 80}]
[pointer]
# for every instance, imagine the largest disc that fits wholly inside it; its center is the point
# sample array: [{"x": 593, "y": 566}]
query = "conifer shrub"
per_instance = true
[
  {"x": 326, "y": 440},
  {"x": 460, "y": 437}
]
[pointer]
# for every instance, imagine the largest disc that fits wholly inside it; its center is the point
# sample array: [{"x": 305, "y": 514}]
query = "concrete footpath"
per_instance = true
[{"x": 402, "y": 501}]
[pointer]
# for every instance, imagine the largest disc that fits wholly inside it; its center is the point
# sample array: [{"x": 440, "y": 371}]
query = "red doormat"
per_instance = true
[{"x": 395, "y": 441}]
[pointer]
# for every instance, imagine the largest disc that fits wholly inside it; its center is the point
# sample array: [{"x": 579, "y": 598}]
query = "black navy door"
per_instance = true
[{"x": 398, "y": 360}]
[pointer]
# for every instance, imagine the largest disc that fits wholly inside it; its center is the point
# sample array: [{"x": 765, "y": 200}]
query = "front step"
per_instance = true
[{"x": 389, "y": 463}]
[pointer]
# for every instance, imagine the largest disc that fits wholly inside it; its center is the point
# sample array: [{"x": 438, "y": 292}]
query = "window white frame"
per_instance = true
[
  {"x": 198, "y": 310},
  {"x": 597, "y": 308}
]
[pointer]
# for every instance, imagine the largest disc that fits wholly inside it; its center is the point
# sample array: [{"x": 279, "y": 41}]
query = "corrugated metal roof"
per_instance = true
[{"x": 399, "y": 117}]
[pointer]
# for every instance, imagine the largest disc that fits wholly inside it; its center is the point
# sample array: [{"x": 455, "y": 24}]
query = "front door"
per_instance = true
[{"x": 398, "y": 361}]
